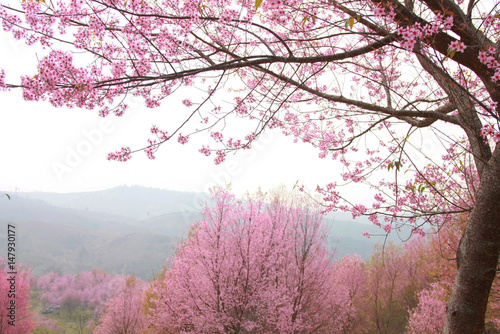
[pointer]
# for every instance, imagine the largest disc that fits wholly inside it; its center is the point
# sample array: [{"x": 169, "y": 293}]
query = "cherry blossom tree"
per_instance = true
[
  {"x": 15, "y": 314},
  {"x": 124, "y": 312},
  {"x": 253, "y": 267},
  {"x": 394, "y": 276},
  {"x": 349, "y": 77},
  {"x": 350, "y": 275},
  {"x": 428, "y": 318},
  {"x": 441, "y": 267},
  {"x": 82, "y": 297}
]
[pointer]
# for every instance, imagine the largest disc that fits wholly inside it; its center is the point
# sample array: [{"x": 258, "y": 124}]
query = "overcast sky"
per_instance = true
[{"x": 51, "y": 149}]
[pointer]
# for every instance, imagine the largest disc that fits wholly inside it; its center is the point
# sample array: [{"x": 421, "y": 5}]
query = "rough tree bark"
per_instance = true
[{"x": 477, "y": 256}]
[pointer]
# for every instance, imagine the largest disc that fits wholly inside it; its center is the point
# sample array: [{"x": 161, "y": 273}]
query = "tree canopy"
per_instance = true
[{"x": 361, "y": 81}]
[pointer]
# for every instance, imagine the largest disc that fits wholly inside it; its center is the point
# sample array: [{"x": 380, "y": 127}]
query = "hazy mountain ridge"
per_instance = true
[
  {"x": 55, "y": 233},
  {"x": 133, "y": 202},
  {"x": 67, "y": 249}
]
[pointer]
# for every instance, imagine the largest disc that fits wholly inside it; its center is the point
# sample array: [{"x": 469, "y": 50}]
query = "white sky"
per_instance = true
[{"x": 43, "y": 148}]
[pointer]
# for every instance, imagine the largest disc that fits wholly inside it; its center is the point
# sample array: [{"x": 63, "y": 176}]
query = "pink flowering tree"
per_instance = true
[
  {"x": 82, "y": 297},
  {"x": 440, "y": 264},
  {"x": 364, "y": 82},
  {"x": 91, "y": 289},
  {"x": 253, "y": 266},
  {"x": 350, "y": 278},
  {"x": 15, "y": 314},
  {"x": 428, "y": 317},
  {"x": 124, "y": 312},
  {"x": 394, "y": 276}
]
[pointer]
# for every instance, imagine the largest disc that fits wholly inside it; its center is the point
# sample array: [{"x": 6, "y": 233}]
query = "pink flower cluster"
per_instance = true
[
  {"x": 410, "y": 34},
  {"x": 151, "y": 149},
  {"x": 235, "y": 144},
  {"x": 457, "y": 46},
  {"x": 358, "y": 210},
  {"x": 228, "y": 15},
  {"x": 277, "y": 12},
  {"x": 182, "y": 139},
  {"x": 379, "y": 10},
  {"x": 162, "y": 135},
  {"x": 489, "y": 58},
  {"x": 388, "y": 228},
  {"x": 122, "y": 155},
  {"x": 488, "y": 131},
  {"x": 205, "y": 150},
  {"x": 3, "y": 86},
  {"x": 217, "y": 136},
  {"x": 220, "y": 158},
  {"x": 488, "y": 21}
]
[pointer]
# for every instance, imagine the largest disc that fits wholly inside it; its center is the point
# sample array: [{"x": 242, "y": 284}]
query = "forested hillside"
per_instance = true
[
  {"x": 122, "y": 231},
  {"x": 262, "y": 264}
]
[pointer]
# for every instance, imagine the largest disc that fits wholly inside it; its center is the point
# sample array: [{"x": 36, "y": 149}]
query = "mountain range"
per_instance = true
[{"x": 126, "y": 230}]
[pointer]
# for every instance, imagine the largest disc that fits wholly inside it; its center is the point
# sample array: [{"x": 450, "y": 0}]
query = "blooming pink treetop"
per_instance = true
[
  {"x": 124, "y": 312},
  {"x": 357, "y": 80},
  {"x": 252, "y": 266},
  {"x": 350, "y": 279},
  {"x": 436, "y": 259},
  {"x": 15, "y": 314},
  {"x": 428, "y": 317},
  {"x": 88, "y": 289}
]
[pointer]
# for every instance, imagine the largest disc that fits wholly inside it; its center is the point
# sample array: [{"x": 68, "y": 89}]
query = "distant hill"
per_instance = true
[
  {"x": 21, "y": 208},
  {"x": 129, "y": 201},
  {"x": 52, "y": 247},
  {"x": 123, "y": 230}
]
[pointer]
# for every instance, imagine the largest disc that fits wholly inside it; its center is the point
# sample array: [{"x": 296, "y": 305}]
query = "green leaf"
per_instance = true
[
  {"x": 257, "y": 4},
  {"x": 431, "y": 184},
  {"x": 351, "y": 22},
  {"x": 304, "y": 21},
  {"x": 450, "y": 53},
  {"x": 497, "y": 16},
  {"x": 8, "y": 196},
  {"x": 396, "y": 164}
]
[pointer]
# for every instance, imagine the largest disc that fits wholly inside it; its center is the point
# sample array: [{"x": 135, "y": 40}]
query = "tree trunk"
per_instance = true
[{"x": 477, "y": 256}]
